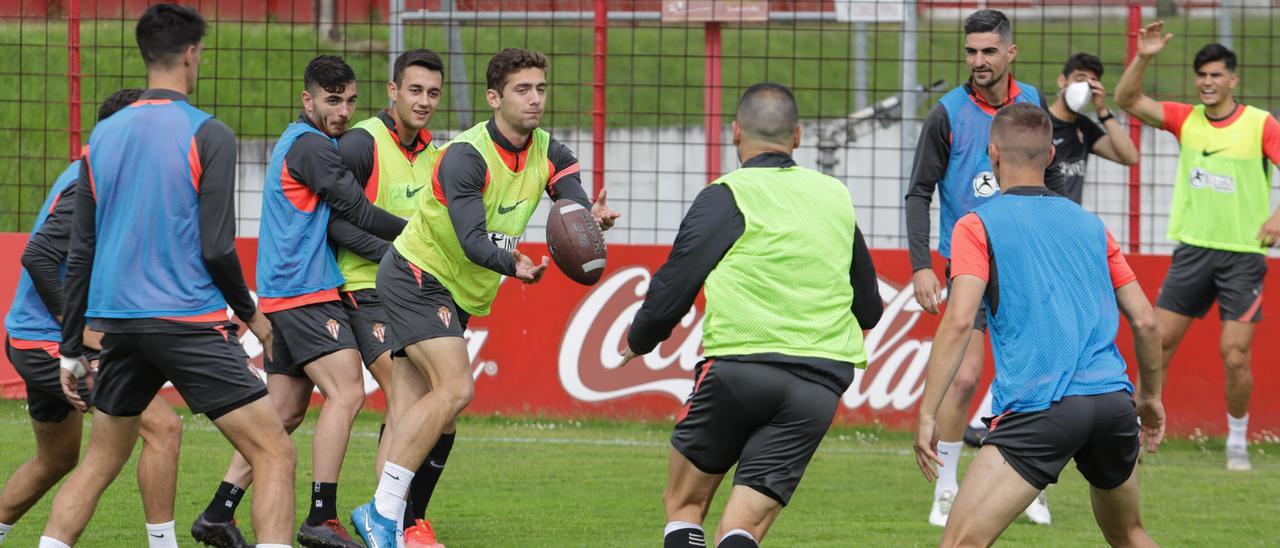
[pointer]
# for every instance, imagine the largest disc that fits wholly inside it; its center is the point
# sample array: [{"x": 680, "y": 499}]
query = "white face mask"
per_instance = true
[{"x": 1077, "y": 95}]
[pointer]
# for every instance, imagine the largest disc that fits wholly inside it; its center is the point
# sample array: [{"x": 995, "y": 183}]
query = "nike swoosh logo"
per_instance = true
[
  {"x": 397, "y": 478},
  {"x": 155, "y": 535},
  {"x": 433, "y": 464},
  {"x": 412, "y": 192},
  {"x": 1208, "y": 153},
  {"x": 503, "y": 210},
  {"x": 1058, "y": 141}
]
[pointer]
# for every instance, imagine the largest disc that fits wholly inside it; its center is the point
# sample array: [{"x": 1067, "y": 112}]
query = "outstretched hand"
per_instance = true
[
  {"x": 526, "y": 271},
  {"x": 604, "y": 216},
  {"x": 1150, "y": 41}
]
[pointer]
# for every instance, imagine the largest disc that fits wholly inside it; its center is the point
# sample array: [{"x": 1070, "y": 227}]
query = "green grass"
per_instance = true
[
  {"x": 543, "y": 482},
  {"x": 251, "y": 71}
]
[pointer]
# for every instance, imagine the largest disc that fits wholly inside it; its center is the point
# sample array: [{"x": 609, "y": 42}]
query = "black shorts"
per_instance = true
[
  {"x": 760, "y": 416},
  {"x": 1100, "y": 432},
  {"x": 1198, "y": 275},
  {"x": 980, "y": 322},
  {"x": 40, "y": 370},
  {"x": 418, "y": 306},
  {"x": 304, "y": 334},
  {"x": 206, "y": 364},
  {"x": 368, "y": 322}
]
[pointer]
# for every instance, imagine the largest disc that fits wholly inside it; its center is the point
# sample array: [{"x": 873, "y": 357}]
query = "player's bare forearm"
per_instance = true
[
  {"x": 1137, "y": 310},
  {"x": 1129, "y": 95},
  {"x": 951, "y": 341}
]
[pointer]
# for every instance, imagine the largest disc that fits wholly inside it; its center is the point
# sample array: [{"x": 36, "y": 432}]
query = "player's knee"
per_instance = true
[
  {"x": 164, "y": 433},
  {"x": 57, "y": 463},
  {"x": 964, "y": 385},
  {"x": 1235, "y": 357},
  {"x": 348, "y": 397},
  {"x": 458, "y": 396}
]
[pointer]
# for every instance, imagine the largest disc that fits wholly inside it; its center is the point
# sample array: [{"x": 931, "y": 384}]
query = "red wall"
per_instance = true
[{"x": 550, "y": 349}]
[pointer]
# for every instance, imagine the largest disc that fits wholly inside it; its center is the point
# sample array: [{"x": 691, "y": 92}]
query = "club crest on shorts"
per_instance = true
[
  {"x": 445, "y": 315},
  {"x": 333, "y": 326},
  {"x": 379, "y": 332}
]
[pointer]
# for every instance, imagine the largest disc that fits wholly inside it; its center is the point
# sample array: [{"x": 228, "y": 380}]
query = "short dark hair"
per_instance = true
[
  {"x": 328, "y": 72},
  {"x": 1215, "y": 52},
  {"x": 1083, "y": 61},
  {"x": 166, "y": 30},
  {"x": 1022, "y": 132},
  {"x": 989, "y": 21},
  {"x": 768, "y": 111},
  {"x": 509, "y": 61},
  {"x": 424, "y": 58},
  {"x": 117, "y": 101}
]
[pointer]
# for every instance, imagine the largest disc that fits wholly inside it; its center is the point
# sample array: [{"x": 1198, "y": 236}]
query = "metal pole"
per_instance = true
[
  {"x": 73, "y": 77},
  {"x": 1225, "y": 33},
  {"x": 860, "y": 64},
  {"x": 395, "y": 33},
  {"x": 1135, "y": 133},
  {"x": 460, "y": 83},
  {"x": 909, "y": 98},
  {"x": 598, "y": 99},
  {"x": 711, "y": 99}
]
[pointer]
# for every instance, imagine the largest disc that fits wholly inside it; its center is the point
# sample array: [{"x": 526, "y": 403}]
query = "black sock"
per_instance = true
[
  {"x": 425, "y": 479},
  {"x": 382, "y": 428},
  {"x": 223, "y": 506},
  {"x": 324, "y": 498},
  {"x": 689, "y": 537},
  {"x": 738, "y": 541}
]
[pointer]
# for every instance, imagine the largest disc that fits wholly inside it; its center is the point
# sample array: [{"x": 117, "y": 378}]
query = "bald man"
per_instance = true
[
  {"x": 790, "y": 287},
  {"x": 1060, "y": 390}
]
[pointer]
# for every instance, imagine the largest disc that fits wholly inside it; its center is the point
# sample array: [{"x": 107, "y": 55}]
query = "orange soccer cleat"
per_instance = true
[{"x": 421, "y": 535}]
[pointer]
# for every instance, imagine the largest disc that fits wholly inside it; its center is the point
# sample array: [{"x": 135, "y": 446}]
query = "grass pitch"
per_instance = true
[{"x": 542, "y": 482}]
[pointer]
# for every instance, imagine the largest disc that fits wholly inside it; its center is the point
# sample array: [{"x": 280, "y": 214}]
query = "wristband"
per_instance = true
[
  {"x": 72, "y": 365},
  {"x": 1109, "y": 116}
]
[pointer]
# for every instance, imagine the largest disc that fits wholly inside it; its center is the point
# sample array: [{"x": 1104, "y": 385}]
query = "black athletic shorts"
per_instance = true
[
  {"x": 1100, "y": 432},
  {"x": 980, "y": 322},
  {"x": 206, "y": 364},
  {"x": 1198, "y": 275},
  {"x": 368, "y": 322},
  {"x": 760, "y": 416},
  {"x": 40, "y": 370},
  {"x": 418, "y": 306},
  {"x": 304, "y": 334}
]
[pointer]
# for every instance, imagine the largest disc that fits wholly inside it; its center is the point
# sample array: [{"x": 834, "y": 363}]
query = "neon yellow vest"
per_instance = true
[
  {"x": 510, "y": 199},
  {"x": 1222, "y": 195},
  {"x": 400, "y": 185},
  {"x": 784, "y": 285}
]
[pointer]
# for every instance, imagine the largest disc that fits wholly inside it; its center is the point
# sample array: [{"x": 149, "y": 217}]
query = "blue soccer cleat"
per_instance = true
[{"x": 375, "y": 530}]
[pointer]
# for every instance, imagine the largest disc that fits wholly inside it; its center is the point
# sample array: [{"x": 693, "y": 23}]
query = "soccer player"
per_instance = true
[
  {"x": 951, "y": 156},
  {"x": 1075, "y": 136},
  {"x": 152, "y": 264},
  {"x": 1052, "y": 278},
  {"x": 448, "y": 263},
  {"x": 790, "y": 289},
  {"x": 298, "y": 281},
  {"x": 1220, "y": 214},
  {"x": 391, "y": 155},
  {"x": 34, "y": 332}
]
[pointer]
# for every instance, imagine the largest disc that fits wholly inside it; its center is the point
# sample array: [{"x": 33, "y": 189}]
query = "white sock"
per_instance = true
[
  {"x": 161, "y": 535},
  {"x": 50, "y": 542},
  {"x": 4, "y": 531},
  {"x": 1237, "y": 430},
  {"x": 388, "y": 500},
  {"x": 742, "y": 532},
  {"x": 949, "y": 452}
]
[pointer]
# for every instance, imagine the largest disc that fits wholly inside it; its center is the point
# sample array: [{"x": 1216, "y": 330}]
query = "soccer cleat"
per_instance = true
[
  {"x": 222, "y": 534},
  {"x": 327, "y": 534},
  {"x": 1238, "y": 459},
  {"x": 1038, "y": 510},
  {"x": 375, "y": 530},
  {"x": 941, "y": 508},
  {"x": 973, "y": 436},
  {"x": 421, "y": 535}
]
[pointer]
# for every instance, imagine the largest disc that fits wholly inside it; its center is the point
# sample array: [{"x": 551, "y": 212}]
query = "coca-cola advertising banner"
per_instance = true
[{"x": 553, "y": 348}]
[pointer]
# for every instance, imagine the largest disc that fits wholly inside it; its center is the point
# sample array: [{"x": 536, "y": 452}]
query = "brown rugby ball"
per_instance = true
[{"x": 576, "y": 243}]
